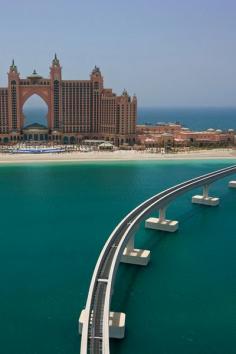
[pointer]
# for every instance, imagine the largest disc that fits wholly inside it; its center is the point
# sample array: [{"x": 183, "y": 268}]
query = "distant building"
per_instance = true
[
  {"x": 171, "y": 128},
  {"x": 162, "y": 135},
  {"x": 206, "y": 137},
  {"x": 77, "y": 109}
]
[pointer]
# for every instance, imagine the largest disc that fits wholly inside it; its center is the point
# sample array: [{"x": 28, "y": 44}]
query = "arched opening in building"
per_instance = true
[
  {"x": 65, "y": 140},
  {"x": 35, "y": 111},
  {"x": 72, "y": 140}
]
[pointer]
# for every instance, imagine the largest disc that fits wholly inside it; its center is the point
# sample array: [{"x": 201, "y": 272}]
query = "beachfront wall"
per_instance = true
[{"x": 77, "y": 109}]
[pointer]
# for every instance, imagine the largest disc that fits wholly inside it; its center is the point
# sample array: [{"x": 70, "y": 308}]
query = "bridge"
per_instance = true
[{"x": 97, "y": 323}]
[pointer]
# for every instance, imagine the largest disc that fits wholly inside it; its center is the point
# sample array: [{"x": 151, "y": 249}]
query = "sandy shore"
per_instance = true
[{"x": 116, "y": 156}]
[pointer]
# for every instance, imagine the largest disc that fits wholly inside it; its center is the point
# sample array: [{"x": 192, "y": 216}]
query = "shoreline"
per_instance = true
[{"x": 120, "y": 155}]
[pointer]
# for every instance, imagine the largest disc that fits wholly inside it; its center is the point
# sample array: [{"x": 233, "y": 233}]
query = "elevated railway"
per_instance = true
[{"x": 95, "y": 333}]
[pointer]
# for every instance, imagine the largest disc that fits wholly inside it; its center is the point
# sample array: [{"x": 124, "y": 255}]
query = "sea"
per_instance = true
[
  {"x": 196, "y": 118},
  {"x": 55, "y": 219}
]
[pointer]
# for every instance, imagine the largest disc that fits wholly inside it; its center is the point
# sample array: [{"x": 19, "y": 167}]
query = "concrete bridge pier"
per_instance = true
[
  {"x": 205, "y": 199},
  {"x": 232, "y": 184},
  {"x": 162, "y": 223},
  {"x": 135, "y": 256},
  {"x": 116, "y": 324}
]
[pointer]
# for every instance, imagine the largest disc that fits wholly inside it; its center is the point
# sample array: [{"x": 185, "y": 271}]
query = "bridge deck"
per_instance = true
[{"x": 95, "y": 334}]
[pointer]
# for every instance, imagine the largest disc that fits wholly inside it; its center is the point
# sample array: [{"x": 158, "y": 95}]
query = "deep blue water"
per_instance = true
[
  {"x": 194, "y": 118},
  {"x": 54, "y": 222}
]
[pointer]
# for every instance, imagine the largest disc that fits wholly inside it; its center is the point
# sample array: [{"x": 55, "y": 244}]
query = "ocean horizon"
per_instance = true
[{"x": 195, "y": 118}]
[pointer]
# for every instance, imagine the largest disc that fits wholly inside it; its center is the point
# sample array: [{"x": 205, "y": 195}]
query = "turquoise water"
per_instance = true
[{"x": 56, "y": 218}]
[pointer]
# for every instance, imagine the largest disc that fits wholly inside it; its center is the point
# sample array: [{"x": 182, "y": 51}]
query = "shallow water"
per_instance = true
[{"x": 55, "y": 220}]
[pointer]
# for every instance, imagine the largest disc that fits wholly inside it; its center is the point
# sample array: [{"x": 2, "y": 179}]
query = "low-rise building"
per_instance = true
[{"x": 175, "y": 135}]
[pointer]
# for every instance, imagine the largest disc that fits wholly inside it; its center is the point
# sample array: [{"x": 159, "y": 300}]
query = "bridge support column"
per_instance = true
[
  {"x": 232, "y": 184},
  {"x": 135, "y": 256},
  {"x": 205, "y": 199},
  {"x": 162, "y": 223},
  {"x": 116, "y": 324}
]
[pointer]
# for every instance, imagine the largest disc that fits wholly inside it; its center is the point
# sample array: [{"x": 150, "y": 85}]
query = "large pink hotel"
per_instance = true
[{"x": 77, "y": 109}]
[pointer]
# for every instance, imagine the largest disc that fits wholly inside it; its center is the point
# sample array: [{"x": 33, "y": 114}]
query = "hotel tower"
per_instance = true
[{"x": 77, "y": 109}]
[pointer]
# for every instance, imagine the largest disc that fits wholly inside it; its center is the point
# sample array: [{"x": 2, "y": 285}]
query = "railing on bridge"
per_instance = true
[{"x": 95, "y": 330}]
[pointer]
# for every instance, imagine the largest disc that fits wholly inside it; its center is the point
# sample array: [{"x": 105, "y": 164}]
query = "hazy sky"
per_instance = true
[{"x": 170, "y": 53}]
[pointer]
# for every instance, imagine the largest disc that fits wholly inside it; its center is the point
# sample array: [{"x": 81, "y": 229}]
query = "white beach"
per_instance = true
[{"x": 118, "y": 155}]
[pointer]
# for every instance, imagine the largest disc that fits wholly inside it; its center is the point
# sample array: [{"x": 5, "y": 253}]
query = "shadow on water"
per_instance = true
[
  {"x": 129, "y": 277},
  {"x": 63, "y": 215}
]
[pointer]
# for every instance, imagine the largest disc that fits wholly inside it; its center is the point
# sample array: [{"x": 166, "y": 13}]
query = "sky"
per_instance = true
[{"x": 170, "y": 53}]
